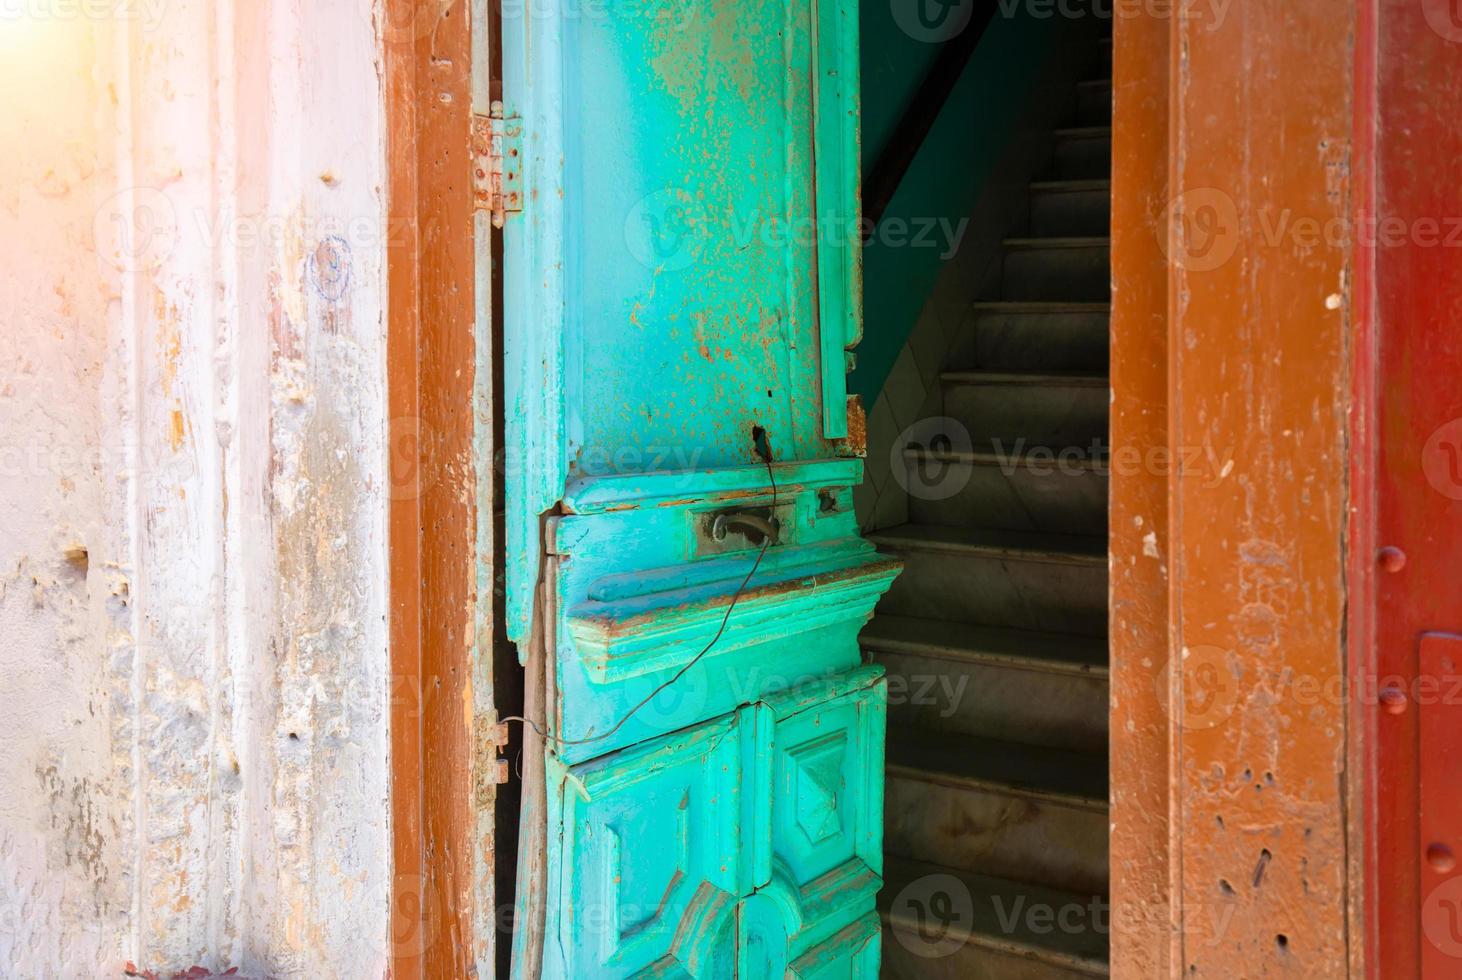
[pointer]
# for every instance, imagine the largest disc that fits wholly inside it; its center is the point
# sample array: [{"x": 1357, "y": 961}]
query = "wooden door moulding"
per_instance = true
[
  {"x": 434, "y": 543},
  {"x": 1141, "y": 932},
  {"x": 1361, "y": 771},
  {"x": 1257, "y": 861}
]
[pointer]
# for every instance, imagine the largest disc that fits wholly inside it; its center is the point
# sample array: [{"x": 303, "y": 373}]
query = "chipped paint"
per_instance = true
[
  {"x": 194, "y": 495},
  {"x": 1229, "y": 786}
]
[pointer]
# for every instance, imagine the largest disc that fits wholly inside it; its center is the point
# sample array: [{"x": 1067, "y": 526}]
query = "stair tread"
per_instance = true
[
  {"x": 1073, "y": 184},
  {"x": 1084, "y": 132},
  {"x": 1089, "y": 241},
  {"x": 1023, "y": 455},
  {"x": 1002, "y": 918},
  {"x": 1076, "y": 779},
  {"x": 1054, "y": 379},
  {"x": 1022, "y": 649},
  {"x": 981, "y": 542},
  {"x": 1034, "y": 307},
  {"x": 1095, "y": 84}
]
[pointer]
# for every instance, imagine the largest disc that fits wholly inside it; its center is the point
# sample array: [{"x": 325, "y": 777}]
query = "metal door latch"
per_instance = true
[{"x": 756, "y": 528}]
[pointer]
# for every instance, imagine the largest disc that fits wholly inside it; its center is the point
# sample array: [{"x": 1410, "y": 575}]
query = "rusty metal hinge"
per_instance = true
[
  {"x": 491, "y": 769},
  {"x": 497, "y": 164}
]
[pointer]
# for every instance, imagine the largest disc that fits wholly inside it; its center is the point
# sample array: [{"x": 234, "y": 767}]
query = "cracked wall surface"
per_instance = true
[{"x": 193, "y": 490}]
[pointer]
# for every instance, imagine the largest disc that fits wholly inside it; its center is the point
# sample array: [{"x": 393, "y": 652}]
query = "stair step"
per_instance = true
[
  {"x": 1072, "y": 185},
  {"x": 1057, "y": 269},
  {"x": 1038, "y": 308},
  {"x": 1083, "y": 153},
  {"x": 1010, "y": 685},
  {"x": 1013, "y": 457},
  {"x": 1052, "y": 653},
  {"x": 1065, "y": 412},
  {"x": 1034, "y": 336},
  {"x": 1010, "y": 768},
  {"x": 998, "y": 807},
  {"x": 1094, "y": 102},
  {"x": 1071, "y": 207},
  {"x": 1007, "y": 489},
  {"x": 1000, "y": 578},
  {"x": 1056, "y": 549},
  {"x": 1024, "y": 379},
  {"x": 1101, "y": 243},
  {"x": 990, "y": 927}
]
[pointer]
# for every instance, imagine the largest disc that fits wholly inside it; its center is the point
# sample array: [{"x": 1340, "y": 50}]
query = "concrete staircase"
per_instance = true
[{"x": 995, "y": 637}]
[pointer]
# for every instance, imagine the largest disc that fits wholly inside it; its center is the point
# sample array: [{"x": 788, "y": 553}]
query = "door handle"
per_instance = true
[{"x": 754, "y": 527}]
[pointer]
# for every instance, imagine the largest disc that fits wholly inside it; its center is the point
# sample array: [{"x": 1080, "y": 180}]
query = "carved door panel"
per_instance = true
[{"x": 681, "y": 293}]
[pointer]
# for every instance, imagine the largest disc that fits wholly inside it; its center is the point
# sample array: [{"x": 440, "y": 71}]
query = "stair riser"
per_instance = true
[
  {"x": 1075, "y": 342},
  {"x": 1093, "y": 105},
  {"x": 1076, "y": 274},
  {"x": 976, "y": 829},
  {"x": 1011, "y": 498},
  {"x": 1061, "y": 598},
  {"x": 1062, "y": 711},
  {"x": 1060, "y": 417},
  {"x": 1074, "y": 214},
  {"x": 1082, "y": 159},
  {"x": 969, "y": 962}
]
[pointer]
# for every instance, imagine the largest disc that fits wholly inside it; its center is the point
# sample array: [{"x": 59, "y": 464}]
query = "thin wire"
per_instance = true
[{"x": 726, "y": 619}]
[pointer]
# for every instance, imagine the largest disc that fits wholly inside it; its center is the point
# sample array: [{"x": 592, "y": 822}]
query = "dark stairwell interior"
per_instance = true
[{"x": 995, "y": 636}]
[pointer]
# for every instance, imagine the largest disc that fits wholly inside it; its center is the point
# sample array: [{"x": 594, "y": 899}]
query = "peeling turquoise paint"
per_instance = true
[{"x": 685, "y": 274}]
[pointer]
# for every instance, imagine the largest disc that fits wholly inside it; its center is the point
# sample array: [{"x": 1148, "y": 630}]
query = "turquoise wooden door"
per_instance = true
[{"x": 681, "y": 292}]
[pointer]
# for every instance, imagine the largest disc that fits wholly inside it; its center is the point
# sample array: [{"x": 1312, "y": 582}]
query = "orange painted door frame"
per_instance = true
[
  {"x": 1243, "y": 499},
  {"x": 444, "y": 731}
]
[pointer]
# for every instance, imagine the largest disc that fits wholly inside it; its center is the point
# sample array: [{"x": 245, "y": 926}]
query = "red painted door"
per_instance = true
[{"x": 1417, "y": 238}]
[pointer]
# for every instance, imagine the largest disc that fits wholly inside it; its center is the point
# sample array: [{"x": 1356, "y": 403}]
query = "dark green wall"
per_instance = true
[{"x": 949, "y": 173}]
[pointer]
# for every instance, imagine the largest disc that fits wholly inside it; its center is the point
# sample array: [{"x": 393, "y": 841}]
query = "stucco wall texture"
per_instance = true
[{"x": 193, "y": 489}]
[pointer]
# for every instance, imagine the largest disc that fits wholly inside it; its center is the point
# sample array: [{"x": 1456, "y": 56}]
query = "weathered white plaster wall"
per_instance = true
[{"x": 193, "y": 489}]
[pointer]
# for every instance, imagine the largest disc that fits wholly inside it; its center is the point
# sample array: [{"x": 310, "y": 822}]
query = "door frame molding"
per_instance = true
[
  {"x": 444, "y": 760},
  {"x": 1283, "y": 586}
]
